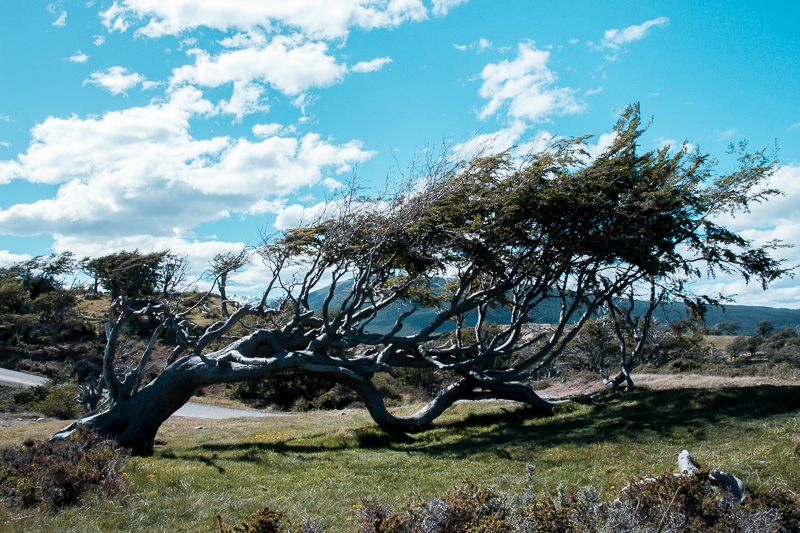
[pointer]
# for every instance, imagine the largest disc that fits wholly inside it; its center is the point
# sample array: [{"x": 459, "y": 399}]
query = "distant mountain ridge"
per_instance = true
[
  {"x": 746, "y": 315},
  {"x": 749, "y": 315}
]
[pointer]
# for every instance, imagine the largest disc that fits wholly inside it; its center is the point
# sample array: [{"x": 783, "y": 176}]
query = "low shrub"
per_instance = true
[
  {"x": 264, "y": 521},
  {"x": 786, "y": 506},
  {"x": 59, "y": 400},
  {"x": 300, "y": 391},
  {"x": 690, "y": 503},
  {"x": 57, "y": 474},
  {"x": 665, "y": 504},
  {"x": 56, "y": 400},
  {"x": 268, "y": 521}
]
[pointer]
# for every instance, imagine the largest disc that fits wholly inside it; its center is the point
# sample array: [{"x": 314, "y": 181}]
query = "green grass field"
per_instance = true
[{"x": 321, "y": 464}]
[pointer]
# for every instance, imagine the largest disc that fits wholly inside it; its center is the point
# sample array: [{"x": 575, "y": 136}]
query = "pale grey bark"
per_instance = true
[
  {"x": 686, "y": 464},
  {"x": 718, "y": 478}
]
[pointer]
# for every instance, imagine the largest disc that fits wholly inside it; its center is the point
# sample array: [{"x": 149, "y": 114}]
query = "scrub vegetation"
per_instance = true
[{"x": 319, "y": 467}]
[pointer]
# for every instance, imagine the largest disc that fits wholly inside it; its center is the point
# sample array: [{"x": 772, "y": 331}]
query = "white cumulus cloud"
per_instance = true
[
  {"x": 480, "y": 45},
  {"x": 526, "y": 87},
  {"x": 603, "y": 143},
  {"x": 80, "y": 57},
  {"x": 371, "y": 66},
  {"x": 140, "y": 172},
  {"x": 615, "y": 38},
  {"x": 117, "y": 80},
  {"x": 267, "y": 130},
  {"x": 320, "y": 19},
  {"x": 441, "y": 7},
  {"x": 494, "y": 142},
  {"x": 115, "y": 18},
  {"x": 289, "y": 64},
  {"x": 296, "y": 214},
  {"x": 61, "y": 20},
  {"x": 247, "y": 98},
  {"x": 8, "y": 258},
  {"x": 672, "y": 144}
]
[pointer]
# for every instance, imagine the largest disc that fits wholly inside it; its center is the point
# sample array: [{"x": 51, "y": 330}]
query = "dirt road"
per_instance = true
[{"x": 190, "y": 410}]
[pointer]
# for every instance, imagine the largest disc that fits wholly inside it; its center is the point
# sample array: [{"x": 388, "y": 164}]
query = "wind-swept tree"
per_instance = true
[
  {"x": 172, "y": 273},
  {"x": 555, "y": 228},
  {"x": 221, "y": 267},
  {"x": 44, "y": 273},
  {"x": 128, "y": 274},
  {"x": 37, "y": 287}
]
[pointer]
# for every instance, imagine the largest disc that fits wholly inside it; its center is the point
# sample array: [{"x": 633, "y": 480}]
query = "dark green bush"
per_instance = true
[
  {"x": 300, "y": 391},
  {"x": 382, "y": 519},
  {"x": 12, "y": 295},
  {"x": 264, "y": 521},
  {"x": 19, "y": 329},
  {"x": 56, "y": 475},
  {"x": 295, "y": 391},
  {"x": 473, "y": 509},
  {"x": 59, "y": 401},
  {"x": 56, "y": 400}
]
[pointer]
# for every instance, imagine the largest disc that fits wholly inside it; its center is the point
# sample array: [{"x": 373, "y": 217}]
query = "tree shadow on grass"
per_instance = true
[
  {"x": 639, "y": 416},
  {"x": 642, "y": 415},
  {"x": 208, "y": 461}
]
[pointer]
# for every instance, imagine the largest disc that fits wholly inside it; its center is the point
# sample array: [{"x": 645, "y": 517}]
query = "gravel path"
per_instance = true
[
  {"x": 13, "y": 378},
  {"x": 190, "y": 410},
  {"x": 201, "y": 410}
]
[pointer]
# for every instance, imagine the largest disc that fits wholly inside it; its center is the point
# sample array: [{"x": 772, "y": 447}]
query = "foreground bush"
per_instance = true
[
  {"x": 664, "y": 504},
  {"x": 269, "y": 521},
  {"x": 684, "y": 504},
  {"x": 56, "y": 475}
]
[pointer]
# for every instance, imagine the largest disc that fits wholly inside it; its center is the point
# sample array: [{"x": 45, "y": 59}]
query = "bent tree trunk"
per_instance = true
[
  {"x": 461, "y": 390},
  {"x": 135, "y": 421}
]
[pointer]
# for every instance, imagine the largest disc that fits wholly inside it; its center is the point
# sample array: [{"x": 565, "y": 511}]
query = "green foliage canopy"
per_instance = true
[
  {"x": 127, "y": 273},
  {"x": 556, "y": 212}
]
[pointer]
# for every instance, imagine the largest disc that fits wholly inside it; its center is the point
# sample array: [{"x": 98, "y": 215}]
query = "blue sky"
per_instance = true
[{"x": 194, "y": 125}]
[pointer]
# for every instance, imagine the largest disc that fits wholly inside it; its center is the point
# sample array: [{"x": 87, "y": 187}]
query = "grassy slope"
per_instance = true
[{"x": 320, "y": 465}]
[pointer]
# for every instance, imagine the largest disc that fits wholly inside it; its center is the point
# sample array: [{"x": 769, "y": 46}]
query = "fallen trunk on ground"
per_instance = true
[
  {"x": 725, "y": 481},
  {"x": 717, "y": 478}
]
